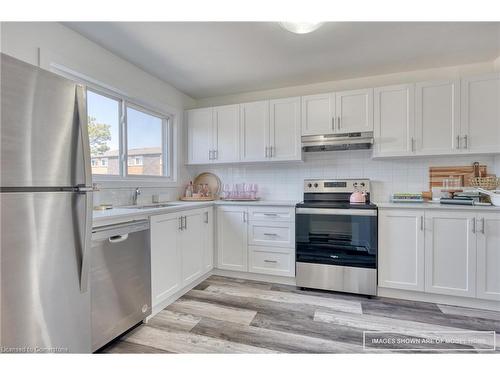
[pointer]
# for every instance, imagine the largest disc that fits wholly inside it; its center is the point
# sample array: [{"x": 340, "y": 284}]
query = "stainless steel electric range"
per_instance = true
[{"x": 336, "y": 241}]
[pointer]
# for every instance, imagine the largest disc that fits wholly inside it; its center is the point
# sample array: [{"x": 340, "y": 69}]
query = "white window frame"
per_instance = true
[
  {"x": 167, "y": 146},
  {"x": 173, "y": 114}
]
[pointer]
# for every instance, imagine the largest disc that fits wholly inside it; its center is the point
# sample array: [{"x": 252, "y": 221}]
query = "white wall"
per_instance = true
[
  {"x": 43, "y": 43},
  {"x": 452, "y": 72},
  {"x": 285, "y": 181}
]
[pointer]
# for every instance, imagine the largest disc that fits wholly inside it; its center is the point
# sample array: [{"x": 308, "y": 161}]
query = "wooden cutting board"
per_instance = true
[{"x": 437, "y": 174}]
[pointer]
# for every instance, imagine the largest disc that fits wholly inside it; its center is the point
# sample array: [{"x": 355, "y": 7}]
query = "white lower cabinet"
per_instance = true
[
  {"x": 401, "y": 250},
  {"x": 166, "y": 276},
  {"x": 457, "y": 253},
  {"x": 488, "y": 256},
  {"x": 232, "y": 248},
  {"x": 256, "y": 239},
  {"x": 181, "y": 250},
  {"x": 271, "y": 261},
  {"x": 450, "y": 253}
]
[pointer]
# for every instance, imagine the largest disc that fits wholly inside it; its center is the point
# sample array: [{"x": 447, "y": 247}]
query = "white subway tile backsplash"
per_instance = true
[{"x": 285, "y": 181}]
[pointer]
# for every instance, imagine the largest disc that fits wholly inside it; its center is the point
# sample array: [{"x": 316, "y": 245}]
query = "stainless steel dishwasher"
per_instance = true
[{"x": 120, "y": 279}]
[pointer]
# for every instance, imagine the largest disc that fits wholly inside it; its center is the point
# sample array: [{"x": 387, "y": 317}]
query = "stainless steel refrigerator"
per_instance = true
[{"x": 46, "y": 211}]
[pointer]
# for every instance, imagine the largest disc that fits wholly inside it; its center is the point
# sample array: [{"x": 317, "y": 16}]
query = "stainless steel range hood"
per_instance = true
[{"x": 337, "y": 142}]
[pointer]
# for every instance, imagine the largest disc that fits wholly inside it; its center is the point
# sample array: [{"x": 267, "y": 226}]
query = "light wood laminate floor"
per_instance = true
[{"x": 227, "y": 315}]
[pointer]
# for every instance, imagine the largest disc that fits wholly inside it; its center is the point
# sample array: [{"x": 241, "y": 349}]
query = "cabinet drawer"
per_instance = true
[
  {"x": 272, "y": 213},
  {"x": 265, "y": 233},
  {"x": 261, "y": 260}
]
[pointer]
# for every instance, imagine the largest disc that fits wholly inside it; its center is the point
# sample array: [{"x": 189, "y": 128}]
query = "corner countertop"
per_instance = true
[
  {"x": 121, "y": 214},
  {"x": 436, "y": 206}
]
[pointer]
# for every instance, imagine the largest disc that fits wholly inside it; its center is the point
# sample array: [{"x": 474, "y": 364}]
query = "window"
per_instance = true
[
  {"x": 104, "y": 132},
  {"x": 137, "y": 146}
]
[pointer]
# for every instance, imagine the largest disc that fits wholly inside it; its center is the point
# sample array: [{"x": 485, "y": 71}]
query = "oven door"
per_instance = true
[{"x": 343, "y": 237}]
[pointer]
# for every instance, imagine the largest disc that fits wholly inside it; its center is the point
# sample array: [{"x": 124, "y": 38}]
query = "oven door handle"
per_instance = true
[{"x": 336, "y": 211}]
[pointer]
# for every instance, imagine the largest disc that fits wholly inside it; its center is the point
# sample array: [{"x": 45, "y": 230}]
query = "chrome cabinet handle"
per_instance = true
[
  {"x": 185, "y": 222},
  {"x": 206, "y": 217},
  {"x": 474, "y": 225},
  {"x": 482, "y": 225},
  {"x": 270, "y": 261},
  {"x": 422, "y": 224},
  {"x": 458, "y": 142},
  {"x": 338, "y": 122},
  {"x": 180, "y": 223},
  {"x": 270, "y": 234},
  {"x": 244, "y": 217},
  {"x": 333, "y": 123},
  {"x": 466, "y": 141}
]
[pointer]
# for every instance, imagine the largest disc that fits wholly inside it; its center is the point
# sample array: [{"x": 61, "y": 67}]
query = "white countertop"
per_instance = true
[
  {"x": 121, "y": 214},
  {"x": 436, "y": 205}
]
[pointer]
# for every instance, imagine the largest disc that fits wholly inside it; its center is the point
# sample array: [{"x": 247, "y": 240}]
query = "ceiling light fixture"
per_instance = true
[{"x": 301, "y": 27}]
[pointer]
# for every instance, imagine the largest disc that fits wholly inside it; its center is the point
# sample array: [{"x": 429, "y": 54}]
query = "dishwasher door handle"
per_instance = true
[{"x": 119, "y": 238}]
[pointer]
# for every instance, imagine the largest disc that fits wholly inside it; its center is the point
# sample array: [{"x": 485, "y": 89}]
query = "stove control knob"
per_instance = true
[
  {"x": 315, "y": 185},
  {"x": 309, "y": 185},
  {"x": 362, "y": 184},
  {"x": 355, "y": 184}
]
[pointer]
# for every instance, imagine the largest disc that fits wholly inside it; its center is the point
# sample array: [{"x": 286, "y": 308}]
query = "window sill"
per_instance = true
[{"x": 107, "y": 183}]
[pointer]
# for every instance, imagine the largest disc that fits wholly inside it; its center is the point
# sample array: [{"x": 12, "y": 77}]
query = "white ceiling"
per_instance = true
[{"x": 205, "y": 59}]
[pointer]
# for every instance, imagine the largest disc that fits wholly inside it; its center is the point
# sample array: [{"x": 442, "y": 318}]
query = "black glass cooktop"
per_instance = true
[{"x": 340, "y": 205}]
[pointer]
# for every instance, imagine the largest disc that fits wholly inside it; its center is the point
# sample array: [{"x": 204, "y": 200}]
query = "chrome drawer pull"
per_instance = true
[
  {"x": 270, "y": 234},
  {"x": 268, "y": 214},
  {"x": 270, "y": 261}
]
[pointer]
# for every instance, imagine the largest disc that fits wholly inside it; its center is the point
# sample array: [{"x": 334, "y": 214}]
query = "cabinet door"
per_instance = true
[
  {"x": 227, "y": 133},
  {"x": 401, "y": 249},
  {"x": 394, "y": 120},
  {"x": 481, "y": 113},
  {"x": 437, "y": 117},
  {"x": 165, "y": 257},
  {"x": 285, "y": 129},
  {"x": 199, "y": 128},
  {"x": 208, "y": 239},
  {"x": 232, "y": 252},
  {"x": 354, "y": 111},
  {"x": 450, "y": 253},
  {"x": 488, "y": 256},
  {"x": 192, "y": 246},
  {"x": 254, "y": 131},
  {"x": 317, "y": 114}
]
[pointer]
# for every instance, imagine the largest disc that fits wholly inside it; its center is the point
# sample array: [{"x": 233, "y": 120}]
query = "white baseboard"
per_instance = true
[
  {"x": 174, "y": 297},
  {"x": 255, "y": 276},
  {"x": 439, "y": 298}
]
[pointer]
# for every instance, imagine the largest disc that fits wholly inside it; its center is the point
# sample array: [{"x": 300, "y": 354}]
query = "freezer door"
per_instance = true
[
  {"x": 42, "y": 303},
  {"x": 41, "y": 138}
]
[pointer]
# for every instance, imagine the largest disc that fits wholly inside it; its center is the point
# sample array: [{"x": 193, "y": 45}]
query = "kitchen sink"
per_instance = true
[{"x": 150, "y": 206}]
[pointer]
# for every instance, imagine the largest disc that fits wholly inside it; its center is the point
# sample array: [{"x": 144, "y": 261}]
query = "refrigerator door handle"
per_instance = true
[
  {"x": 82, "y": 118},
  {"x": 86, "y": 244}
]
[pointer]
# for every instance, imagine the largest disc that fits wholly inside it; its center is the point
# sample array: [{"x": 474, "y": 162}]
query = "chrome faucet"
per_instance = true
[{"x": 137, "y": 192}]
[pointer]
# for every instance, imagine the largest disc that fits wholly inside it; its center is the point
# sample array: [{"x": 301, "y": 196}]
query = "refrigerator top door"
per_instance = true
[
  {"x": 42, "y": 141},
  {"x": 44, "y": 300}
]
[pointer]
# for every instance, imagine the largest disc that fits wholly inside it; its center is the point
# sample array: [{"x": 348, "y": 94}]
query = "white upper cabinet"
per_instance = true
[
  {"x": 394, "y": 114},
  {"x": 401, "y": 250},
  {"x": 488, "y": 256},
  {"x": 437, "y": 121},
  {"x": 481, "y": 114},
  {"x": 354, "y": 111},
  {"x": 285, "y": 141},
  {"x": 255, "y": 134},
  {"x": 317, "y": 114},
  {"x": 200, "y": 135},
  {"x": 227, "y": 133},
  {"x": 450, "y": 252}
]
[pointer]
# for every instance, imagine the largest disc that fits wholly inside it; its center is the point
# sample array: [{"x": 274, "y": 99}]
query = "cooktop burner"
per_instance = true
[{"x": 338, "y": 205}]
